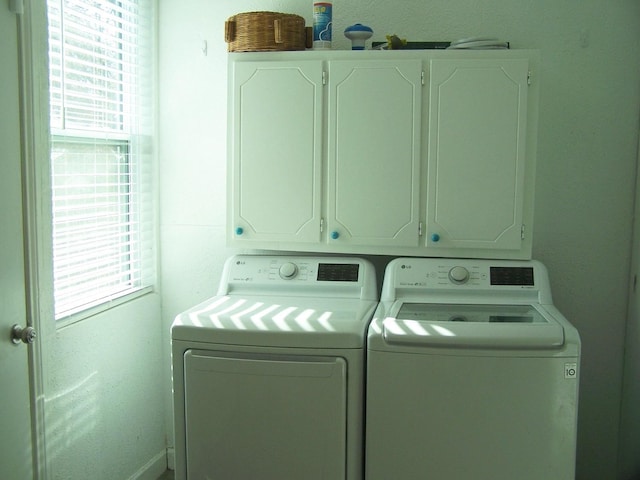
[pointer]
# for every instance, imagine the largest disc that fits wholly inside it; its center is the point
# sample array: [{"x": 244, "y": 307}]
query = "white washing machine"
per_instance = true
[
  {"x": 268, "y": 376},
  {"x": 472, "y": 373}
]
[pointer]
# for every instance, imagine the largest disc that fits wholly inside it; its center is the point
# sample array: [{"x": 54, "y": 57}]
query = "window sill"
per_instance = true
[{"x": 113, "y": 302}]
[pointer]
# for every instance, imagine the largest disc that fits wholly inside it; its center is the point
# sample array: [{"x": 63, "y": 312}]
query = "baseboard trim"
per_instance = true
[
  {"x": 153, "y": 468},
  {"x": 171, "y": 458}
]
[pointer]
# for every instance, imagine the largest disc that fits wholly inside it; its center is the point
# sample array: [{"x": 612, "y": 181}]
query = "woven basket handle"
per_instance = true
[
  {"x": 229, "y": 31},
  {"x": 277, "y": 30}
]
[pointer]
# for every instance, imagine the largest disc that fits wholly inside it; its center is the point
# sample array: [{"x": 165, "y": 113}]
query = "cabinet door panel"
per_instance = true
[
  {"x": 374, "y": 152},
  {"x": 477, "y": 148},
  {"x": 276, "y": 151}
]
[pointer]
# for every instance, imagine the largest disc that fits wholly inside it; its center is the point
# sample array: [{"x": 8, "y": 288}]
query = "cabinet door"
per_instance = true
[
  {"x": 374, "y": 152},
  {"x": 477, "y": 148},
  {"x": 275, "y": 151}
]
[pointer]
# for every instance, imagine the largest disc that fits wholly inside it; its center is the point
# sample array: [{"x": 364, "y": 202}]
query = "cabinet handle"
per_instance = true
[
  {"x": 435, "y": 237},
  {"x": 239, "y": 230},
  {"x": 335, "y": 235}
]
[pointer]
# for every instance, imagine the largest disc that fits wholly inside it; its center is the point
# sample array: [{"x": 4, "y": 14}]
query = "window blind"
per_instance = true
[{"x": 100, "y": 66}]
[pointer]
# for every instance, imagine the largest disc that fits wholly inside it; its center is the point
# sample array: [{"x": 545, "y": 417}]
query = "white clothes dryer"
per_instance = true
[
  {"x": 268, "y": 375},
  {"x": 472, "y": 373}
]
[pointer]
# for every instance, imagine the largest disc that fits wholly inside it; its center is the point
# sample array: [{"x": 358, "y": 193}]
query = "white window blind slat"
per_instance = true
[{"x": 100, "y": 57}]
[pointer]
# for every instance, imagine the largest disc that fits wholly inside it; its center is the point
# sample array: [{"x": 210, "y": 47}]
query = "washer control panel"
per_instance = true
[{"x": 461, "y": 273}]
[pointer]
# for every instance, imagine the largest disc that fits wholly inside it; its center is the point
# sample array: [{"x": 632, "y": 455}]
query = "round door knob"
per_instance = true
[
  {"x": 459, "y": 275},
  {"x": 24, "y": 335},
  {"x": 335, "y": 235},
  {"x": 435, "y": 237},
  {"x": 239, "y": 230},
  {"x": 288, "y": 270}
]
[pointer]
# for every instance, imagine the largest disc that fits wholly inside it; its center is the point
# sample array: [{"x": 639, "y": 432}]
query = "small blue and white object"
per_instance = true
[
  {"x": 358, "y": 34},
  {"x": 322, "y": 21}
]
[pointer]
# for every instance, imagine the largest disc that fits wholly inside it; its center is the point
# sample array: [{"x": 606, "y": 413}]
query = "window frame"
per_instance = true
[{"x": 139, "y": 144}]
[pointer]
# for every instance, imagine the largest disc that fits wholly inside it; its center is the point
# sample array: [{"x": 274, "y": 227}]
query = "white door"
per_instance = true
[
  {"x": 374, "y": 152},
  {"x": 276, "y": 134},
  {"x": 15, "y": 417},
  {"x": 477, "y": 149}
]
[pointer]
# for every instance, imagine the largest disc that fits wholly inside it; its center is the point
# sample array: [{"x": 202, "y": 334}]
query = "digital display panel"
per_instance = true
[
  {"x": 515, "y": 276},
  {"x": 338, "y": 272}
]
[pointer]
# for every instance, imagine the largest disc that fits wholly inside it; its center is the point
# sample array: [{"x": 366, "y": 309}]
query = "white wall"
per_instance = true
[
  {"x": 590, "y": 99},
  {"x": 104, "y": 406}
]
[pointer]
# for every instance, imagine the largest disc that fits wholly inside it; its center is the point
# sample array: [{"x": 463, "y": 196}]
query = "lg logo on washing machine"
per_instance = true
[{"x": 570, "y": 370}]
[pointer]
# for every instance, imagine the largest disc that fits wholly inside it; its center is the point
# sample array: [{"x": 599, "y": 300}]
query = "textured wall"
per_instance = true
[
  {"x": 590, "y": 98},
  {"x": 104, "y": 407}
]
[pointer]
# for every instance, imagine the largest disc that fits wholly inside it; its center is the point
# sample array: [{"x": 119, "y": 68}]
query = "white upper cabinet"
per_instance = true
[
  {"x": 476, "y": 153},
  {"x": 374, "y": 152},
  {"x": 428, "y": 153},
  {"x": 275, "y": 144}
]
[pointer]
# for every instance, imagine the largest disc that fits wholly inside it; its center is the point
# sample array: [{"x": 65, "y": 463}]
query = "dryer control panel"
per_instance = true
[
  {"x": 283, "y": 274},
  {"x": 322, "y": 271},
  {"x": 275, "y": 269}
]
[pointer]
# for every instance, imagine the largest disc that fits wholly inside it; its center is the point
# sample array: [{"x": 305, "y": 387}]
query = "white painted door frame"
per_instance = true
[
  {"x": 32, "y": 203},
  {"x": 629, "y": 451}
]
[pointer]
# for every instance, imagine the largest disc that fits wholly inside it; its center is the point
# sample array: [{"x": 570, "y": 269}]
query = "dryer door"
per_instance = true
[{"x": 264, "y": 417}]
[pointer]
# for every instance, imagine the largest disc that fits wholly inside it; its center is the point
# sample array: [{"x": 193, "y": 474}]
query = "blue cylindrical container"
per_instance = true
[{"x": 322, "y": 20}]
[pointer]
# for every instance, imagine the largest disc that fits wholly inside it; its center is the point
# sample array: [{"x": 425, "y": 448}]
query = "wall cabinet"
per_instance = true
[
  {"x": 373, "y": 161},
  {"x": 476, "y": 153},
  {"x": 275, "y": 136},
  {"x": 426, "y": 153}
]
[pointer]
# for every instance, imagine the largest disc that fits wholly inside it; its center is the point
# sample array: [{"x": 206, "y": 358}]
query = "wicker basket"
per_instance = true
[{"x": 266, "y": 31}]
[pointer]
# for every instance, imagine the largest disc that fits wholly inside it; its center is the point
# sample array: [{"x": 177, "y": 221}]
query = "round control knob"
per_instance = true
[
  {"x": 459, "y": 275},
  {"x": 288, "y": 270}
]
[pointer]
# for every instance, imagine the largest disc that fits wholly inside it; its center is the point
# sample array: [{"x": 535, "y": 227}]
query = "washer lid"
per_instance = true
[
  {"x": 475, "y": 326},
  {"x": 276, "y": 321}
]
